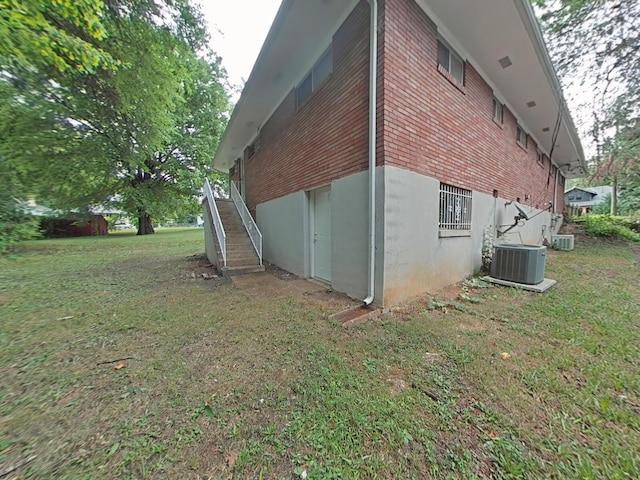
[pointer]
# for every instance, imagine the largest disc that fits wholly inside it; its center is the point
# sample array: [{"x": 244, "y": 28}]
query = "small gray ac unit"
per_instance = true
[
  {"x": 519, "y": 263},
  {"x": 563, "y": 242}
]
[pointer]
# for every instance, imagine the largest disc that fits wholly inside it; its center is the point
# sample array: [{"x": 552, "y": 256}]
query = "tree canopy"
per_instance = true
[
  {"x": 118, "y": 101},
  {"x": 595, "y": 44}
]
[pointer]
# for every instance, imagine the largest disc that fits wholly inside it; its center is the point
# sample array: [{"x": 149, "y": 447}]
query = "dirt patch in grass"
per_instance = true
[{"x": 269, "y": 285}]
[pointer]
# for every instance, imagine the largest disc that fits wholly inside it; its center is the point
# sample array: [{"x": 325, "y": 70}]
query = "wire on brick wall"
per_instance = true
[{"x": 554, "y": 137}]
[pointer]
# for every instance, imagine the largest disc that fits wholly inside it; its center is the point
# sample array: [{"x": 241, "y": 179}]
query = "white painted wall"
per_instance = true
[
  {"x": 209, "y": 236},
  {"x": 284, "y": 223},
  {"x": 349, "y": 235},
  {"x": 411, "y": 258},
  {"x": 416, "y": 259}
]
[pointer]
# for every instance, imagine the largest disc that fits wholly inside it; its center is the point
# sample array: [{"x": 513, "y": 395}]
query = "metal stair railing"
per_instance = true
[
  {"x": 217, "y": 221},
  {"x": 247, "y": 220}
]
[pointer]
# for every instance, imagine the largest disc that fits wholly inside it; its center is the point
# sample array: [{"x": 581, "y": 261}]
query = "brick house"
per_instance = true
[{"x": 462, "y": 120}]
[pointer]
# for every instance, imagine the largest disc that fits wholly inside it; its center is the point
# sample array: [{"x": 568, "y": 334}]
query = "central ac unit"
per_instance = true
[
  {"x": 519, "y": 263},
  {"x": 563, "y": 242}
]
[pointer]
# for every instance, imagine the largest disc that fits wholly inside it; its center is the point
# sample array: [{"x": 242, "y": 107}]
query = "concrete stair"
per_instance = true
[{"x": 241, "y": 256}]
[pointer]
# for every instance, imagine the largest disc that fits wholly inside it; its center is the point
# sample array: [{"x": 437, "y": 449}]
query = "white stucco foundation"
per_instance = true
[
  {"x": 284, "y": 223},
  {"x": 411, "y": 256},
  {"x": 209, "y": 236},
  {"x": 417, "y": 259}
]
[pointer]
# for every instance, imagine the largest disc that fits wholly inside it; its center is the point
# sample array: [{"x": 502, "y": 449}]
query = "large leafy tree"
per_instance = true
[
  {"x": 134, "y": 121},
  {"x": 595, "y": 45}
]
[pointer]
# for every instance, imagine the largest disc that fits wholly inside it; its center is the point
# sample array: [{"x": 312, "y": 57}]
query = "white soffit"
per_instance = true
[
  {"x": 489, "y": 30},
  {"x": 484, "y": 32},
  {"x": 300, "y": 33}
]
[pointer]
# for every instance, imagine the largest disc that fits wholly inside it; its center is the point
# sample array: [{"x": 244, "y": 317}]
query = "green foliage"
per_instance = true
[
  {"x": 593, "y": 39},
  {"x": 15, "y": 226},
  {"x": 629, "y": 198},
  {"x": 137, "y": 130},
  {"x": 604, "y": 207},
  {"x": 58, "y": 34},
  {"x": 610, "y": 226},
  {"x": 596, "y": 48}
]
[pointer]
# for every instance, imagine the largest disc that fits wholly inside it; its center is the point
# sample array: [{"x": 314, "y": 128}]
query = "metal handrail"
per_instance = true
[
  {"x": 247, "y": 220},
  {"x": 217, "y": 221}
]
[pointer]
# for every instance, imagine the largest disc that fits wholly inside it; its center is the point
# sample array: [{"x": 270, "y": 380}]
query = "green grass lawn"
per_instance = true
[{"x": 216, "y": 384}]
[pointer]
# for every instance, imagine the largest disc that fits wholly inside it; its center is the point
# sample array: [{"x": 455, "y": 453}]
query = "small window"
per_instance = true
[
  {"x": 315, "y": 78},
  {"x": 455, "y": 208},
  {"x": 323, "y": 69},
  {"x": 521, "y": 136},
  {"x": 539, "y": 156},
  {"x": 497, "y": 110},
  {"x": 451, "y": 61},
  {"x": 304, "y": 90},
  {"x": 253, "y": 148}
]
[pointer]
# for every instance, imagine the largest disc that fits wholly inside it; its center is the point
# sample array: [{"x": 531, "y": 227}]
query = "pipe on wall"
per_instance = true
[
  {"x": 555, "y": 191},
  {"x": 373, "y": 77}
]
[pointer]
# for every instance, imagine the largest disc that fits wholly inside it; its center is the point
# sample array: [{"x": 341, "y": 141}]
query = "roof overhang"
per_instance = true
[
  {"x": 301, "y": 31},
  {"x": 489, "y": 32}
]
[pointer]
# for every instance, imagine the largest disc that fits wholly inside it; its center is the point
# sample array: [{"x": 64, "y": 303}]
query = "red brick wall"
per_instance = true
[
  {"x": 326, "y": 138},
  {"x": 425, "y": 123},
  {"x": 436, "y": 129}
]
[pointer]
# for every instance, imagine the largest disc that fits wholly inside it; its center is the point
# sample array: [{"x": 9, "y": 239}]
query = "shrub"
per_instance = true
[
  {"x": 15, "y": 226},
  {"x": 610, "y": 226}
]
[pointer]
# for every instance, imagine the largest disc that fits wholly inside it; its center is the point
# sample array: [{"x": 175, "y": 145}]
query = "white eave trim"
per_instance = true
[{"x": 535, "y": 33}]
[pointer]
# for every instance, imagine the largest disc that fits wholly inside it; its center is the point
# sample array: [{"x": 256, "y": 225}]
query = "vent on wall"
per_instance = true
[
  {"x": 519, "y": 263},
  {"x": 563, "y": 242}
]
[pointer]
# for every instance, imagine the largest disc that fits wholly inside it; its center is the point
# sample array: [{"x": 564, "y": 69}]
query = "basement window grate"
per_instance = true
[{"x": 455, "y": 208}]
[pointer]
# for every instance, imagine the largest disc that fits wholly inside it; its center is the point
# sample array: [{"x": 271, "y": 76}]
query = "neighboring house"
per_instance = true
[
  {"x": 75, "y": 226},
  {"x": 54, "y": 223},
  {"x": 459, "y": 123},
  {"x": 587, "y": 198}
]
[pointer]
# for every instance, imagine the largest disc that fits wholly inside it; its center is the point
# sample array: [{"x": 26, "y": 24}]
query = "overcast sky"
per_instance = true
[{"x": 238, "y": 29}]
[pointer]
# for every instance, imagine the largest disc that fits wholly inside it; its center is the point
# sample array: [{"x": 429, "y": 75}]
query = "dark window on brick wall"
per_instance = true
[
  {"x": 253, "y": 148},
  {"x": 451, "y": 61},
  {"x": 497, "y": 110},
  {"x": 304, "y": 90},
  {"x": 315, "y": 78},
  {"x": 521, "y": 136}
]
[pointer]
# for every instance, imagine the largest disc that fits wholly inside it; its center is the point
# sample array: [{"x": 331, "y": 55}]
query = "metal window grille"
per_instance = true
[{"x": 455, "y": 208}]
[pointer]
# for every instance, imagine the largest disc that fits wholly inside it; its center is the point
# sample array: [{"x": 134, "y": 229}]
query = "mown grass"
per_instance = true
[{"x": 220, "y": 385}]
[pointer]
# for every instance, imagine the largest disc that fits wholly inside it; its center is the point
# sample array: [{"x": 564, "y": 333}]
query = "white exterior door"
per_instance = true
[{"x": 321, "y": 234}]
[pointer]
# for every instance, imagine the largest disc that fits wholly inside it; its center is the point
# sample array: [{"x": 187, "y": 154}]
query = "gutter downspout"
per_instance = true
[
  {"x": 373, "y": 77},
  {"x": 555, "y": 191}
]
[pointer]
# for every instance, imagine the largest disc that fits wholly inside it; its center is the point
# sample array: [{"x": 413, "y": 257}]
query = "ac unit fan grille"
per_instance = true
[
  {"x": 563, "y": 242},
  {"x": 519, "y": 263}
]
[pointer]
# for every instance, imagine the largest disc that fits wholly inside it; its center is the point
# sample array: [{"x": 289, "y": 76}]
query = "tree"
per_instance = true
[
  {"x": 53, "y": 34},
  {"x": 137, "y": 127},
  {"x": 594, "y": 43},
  {"x": 596, "y": 47}
]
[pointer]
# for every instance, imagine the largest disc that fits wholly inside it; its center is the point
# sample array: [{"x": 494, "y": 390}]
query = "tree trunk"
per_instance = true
[
  {"x": 614, "y": 196},
  {"x": 145, "y": 226}
]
